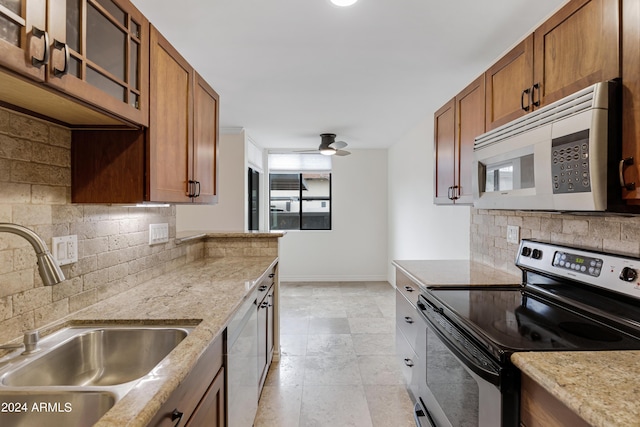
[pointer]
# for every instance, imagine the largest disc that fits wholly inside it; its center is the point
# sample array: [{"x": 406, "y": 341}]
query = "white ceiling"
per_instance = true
[{"x": 288, "y": 70}]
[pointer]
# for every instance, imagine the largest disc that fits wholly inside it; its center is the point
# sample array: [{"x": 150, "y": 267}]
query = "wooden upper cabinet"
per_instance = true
[
  {"x": 470, "y": 115},
  {"x": 170, "y": 132},
  {"x": 92, "y": 51},
  {"x": 631, "y": 100},
  {"x": 575, "y": 48},
  {"x": 23, "y": 45},
  {"x": 99, "y": 54},
  {"x": 508, "y": 83},
  {"x": 174, "y": 160},
  {"x": 183, "y": 129},
  {"x": 444, "y": 146},
  {"x": 456, "y": 126},
  {"x": 205, "y": 143}
]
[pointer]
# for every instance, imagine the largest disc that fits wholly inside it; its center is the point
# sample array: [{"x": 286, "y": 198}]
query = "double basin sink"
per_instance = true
[{"x": 79, "y": 373}]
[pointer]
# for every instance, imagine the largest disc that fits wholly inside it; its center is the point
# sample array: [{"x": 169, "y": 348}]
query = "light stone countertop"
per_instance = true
[
  {"x": 433, "y": 273},
  {"x": 205, "y": 293},
  {"x": 600, "y": 386}
]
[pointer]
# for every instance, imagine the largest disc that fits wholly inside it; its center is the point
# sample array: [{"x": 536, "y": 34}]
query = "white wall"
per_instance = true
[
  {"x": 229, "y": 213},
  {"x": 418, "y": 229},
  {"x": 356, "y": 247}
]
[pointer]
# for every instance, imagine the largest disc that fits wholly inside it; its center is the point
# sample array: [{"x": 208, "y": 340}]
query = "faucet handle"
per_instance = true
[{"x": 31, "y": 338}]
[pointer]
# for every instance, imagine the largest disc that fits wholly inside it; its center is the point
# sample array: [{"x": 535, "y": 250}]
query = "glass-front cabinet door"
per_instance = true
[
  {"x": 98, "y": 48},
  {"x": 24, "y": 43}
]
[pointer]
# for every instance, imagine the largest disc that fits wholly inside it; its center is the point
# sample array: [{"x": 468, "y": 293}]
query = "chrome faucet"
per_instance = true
[
  {"x": 30, "y": 343},
  {"x": 47, "y": 266}
]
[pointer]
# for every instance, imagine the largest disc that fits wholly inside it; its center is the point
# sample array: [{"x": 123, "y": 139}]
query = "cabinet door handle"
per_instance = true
[
  {"x": 408, "y": 319},
  {"x": 264, "y": 305},
  {"x": 455, "y": 192},
  {"x": 526, "y": 92},
  {"x": 197, "y": 189},
  {"x": 625, "y": 162},
  {"x": 408, "y": 289},
  {"x": 534, "y": 89},
  {"x": 262, "y": 288},
  {"x": 191, "y": 188},
  {"x": 408, "y": 362},
  {"x": 272, "y": 275},
  {"x": 37, "y": 32},
  {"x": 58, "y": 45},
  {"x": 176, "y": 416}
]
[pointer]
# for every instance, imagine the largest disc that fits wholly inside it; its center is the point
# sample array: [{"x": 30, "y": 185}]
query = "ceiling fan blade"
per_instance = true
[
  {"x": 306, "y": 151},
  {"x": 338, "y": 145},
  {"x": 342, "y": 152}
]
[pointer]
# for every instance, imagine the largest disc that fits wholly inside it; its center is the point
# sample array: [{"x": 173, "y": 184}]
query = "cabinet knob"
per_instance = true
[
  {"x": 408, "y": 319},
  {"x": 262, "y": 288},
  {"x": 408, "y": 362},
  {"x": 272, "y": 275},
  {"x": 408, "y": 289}
]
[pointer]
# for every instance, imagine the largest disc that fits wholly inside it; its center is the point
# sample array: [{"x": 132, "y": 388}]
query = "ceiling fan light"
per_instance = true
[
  {"x": 327, "y": 151},
  {"x": 343, "y": 3}
]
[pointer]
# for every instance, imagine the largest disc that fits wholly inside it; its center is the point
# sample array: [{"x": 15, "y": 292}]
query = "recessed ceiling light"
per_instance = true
[{"x": 343, "y": 2}]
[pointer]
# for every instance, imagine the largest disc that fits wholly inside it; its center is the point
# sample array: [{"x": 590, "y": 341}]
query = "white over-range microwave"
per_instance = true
[{"x": 562, "y": 157}]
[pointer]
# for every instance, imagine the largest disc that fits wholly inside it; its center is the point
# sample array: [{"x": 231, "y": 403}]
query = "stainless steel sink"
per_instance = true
[
  {"x": 100, "y": 357},
  {"x": 79, "y": 373},
  {"x": 54, "y": 409}
]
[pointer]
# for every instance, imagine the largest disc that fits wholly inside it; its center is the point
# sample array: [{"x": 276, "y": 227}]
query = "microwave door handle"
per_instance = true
[{"x": 421, "y": 414}]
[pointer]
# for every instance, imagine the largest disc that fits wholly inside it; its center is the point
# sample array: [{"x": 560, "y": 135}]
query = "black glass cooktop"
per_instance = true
[{"x": 508, "y": 320}]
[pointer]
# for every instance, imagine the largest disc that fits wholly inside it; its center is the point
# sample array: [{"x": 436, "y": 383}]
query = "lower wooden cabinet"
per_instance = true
[
  {"x": 211, "y": 409},
  {"x": 538, "y": 408},
  {"x": 199, "y": 400},
  {"x": 265, "y": 335}
]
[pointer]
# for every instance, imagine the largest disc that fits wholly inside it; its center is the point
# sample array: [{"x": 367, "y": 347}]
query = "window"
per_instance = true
[{"x": 299, "y": 199}]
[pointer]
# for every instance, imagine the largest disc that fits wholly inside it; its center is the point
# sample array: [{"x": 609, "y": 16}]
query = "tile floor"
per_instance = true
[{"x": 338, "y": 365}]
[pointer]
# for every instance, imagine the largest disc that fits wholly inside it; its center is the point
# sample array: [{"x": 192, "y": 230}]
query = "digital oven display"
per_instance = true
[{"x": 578, "y": 263}]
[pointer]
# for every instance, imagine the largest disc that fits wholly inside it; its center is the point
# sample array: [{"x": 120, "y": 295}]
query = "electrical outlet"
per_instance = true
[
  {"x": 158, "y": 233},
  {"x": 513, "y": 234},
  {"x": 65, "y": 249}
]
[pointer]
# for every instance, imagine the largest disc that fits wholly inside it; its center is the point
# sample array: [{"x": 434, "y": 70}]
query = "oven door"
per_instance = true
[{"x": 462, "y": 384}]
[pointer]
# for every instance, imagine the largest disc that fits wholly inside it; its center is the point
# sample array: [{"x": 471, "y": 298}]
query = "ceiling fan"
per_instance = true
[{"x": 329, "y": 146}]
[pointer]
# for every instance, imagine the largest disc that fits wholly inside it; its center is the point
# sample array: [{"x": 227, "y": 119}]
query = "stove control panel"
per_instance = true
[
  {"x": 614, "y": 272},
  {"x": 579, "y": 263}
]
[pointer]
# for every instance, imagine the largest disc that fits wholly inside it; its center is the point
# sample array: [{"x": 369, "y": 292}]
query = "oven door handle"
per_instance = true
[
  {"x": 487, "y": 372},
  {"x": 420, "y": 414}
]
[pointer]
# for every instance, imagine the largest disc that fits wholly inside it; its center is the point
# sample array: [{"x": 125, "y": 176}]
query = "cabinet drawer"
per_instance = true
[
  {"x": 187, "y": 396},
  {"x": 406, "y": 317},
  {"x": 407, "y": 287},
  {"x": 409, "y": 363}
]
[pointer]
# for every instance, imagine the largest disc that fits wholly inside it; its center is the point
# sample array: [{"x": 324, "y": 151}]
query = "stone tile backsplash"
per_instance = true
[
  {"x": 610, "y": 233},
  {"x": 113, "y": 249}
]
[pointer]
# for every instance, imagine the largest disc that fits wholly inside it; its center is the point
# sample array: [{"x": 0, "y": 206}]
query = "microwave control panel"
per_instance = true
[{"x": 570, "y": 163}]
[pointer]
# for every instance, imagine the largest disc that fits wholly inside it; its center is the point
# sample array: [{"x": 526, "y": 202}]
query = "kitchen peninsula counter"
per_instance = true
[
  {"x": 431, "y": 273},
  {"x": 205, "y": 294},
  {"x": 600, "y": 386}
]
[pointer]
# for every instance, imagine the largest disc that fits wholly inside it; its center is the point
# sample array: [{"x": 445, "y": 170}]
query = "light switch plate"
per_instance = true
[
  {"x": 513, "y": 234},
  {"x": 65, "y": 249},
  {"x": 158, "y": 233}
]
